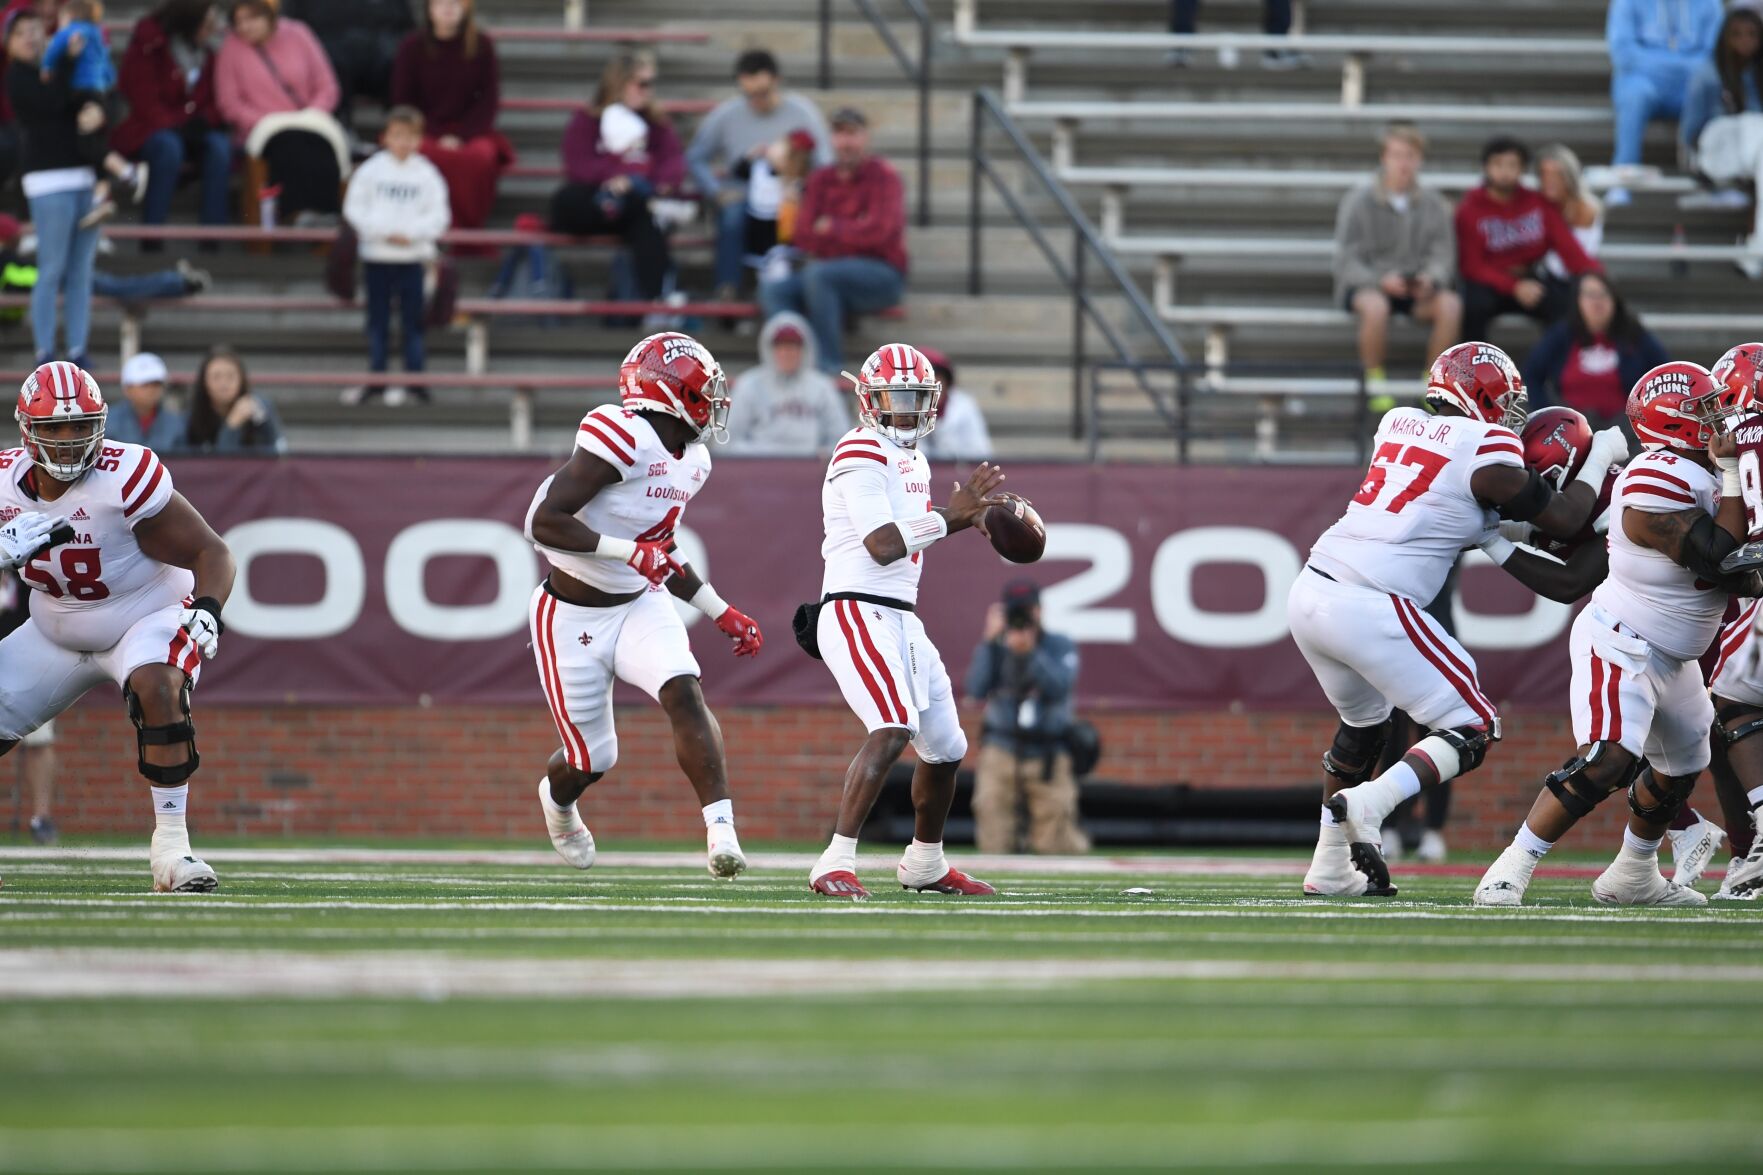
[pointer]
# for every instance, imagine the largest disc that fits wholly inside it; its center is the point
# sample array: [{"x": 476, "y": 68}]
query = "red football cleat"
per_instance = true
[
  {"x": 955, "y": 881},
  {"x": 840, "y": 883}
]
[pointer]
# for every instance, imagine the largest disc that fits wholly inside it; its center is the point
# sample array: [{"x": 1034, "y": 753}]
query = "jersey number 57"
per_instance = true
[{"x": 1428, "y": 464}]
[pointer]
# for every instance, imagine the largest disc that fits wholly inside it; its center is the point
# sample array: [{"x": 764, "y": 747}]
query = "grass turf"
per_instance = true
[{"x": 452, "y": 1016}]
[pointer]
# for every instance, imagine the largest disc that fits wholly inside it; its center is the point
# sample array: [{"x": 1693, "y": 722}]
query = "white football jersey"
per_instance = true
[
  {"x": 1665, "y": 604},
  {"x": 92, "y": 590},
  {"x": 645, "y": 505},
  {"x": 870, "y": 482},
  {"x": 1414, "y": 512}
]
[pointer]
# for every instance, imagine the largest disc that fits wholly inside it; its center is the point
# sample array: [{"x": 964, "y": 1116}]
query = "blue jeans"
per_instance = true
[
  {"x": 384, "y": 281},
  {"x": 825, "y": 291},
  {"x": 140, "y": 287},
  {"x": 1639, "y": 98},
  {"x": 164, "y": 153},
  {"x": 65, "y": 253},
  {"x": 731, "y": 242}
]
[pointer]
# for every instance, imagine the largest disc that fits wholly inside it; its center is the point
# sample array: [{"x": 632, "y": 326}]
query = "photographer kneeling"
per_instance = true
[{"x": 1025, "y": 676}]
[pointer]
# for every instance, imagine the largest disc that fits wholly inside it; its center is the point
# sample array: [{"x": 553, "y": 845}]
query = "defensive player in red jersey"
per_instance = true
[
  {"x": 605, "y": 522},
  {"x": 133, "y": 597}
]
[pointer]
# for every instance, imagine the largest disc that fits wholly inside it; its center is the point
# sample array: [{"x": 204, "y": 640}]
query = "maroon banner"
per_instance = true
[{"x": 407, "y": 580}]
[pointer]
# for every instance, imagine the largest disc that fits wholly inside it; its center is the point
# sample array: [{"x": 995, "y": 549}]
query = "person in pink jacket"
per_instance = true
[{"x": 275, "y": 88}]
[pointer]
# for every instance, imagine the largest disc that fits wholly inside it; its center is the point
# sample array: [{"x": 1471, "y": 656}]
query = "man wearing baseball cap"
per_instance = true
[
  {"x": 852, "y": 228},
  {"x": 786, "y": 407},
  {"x": 142, "y": 417}
]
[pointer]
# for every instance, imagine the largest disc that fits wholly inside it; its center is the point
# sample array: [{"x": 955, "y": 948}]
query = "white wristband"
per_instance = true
[
  {"x": 1730, "y": 485},
  {"x": 618, "y": 549},
  {"x": 921, "y": 530},
  {"x": 1592, "y": 473},
  {"x": 1498, "y": 548},
  {"x": 708, "y": 602}
]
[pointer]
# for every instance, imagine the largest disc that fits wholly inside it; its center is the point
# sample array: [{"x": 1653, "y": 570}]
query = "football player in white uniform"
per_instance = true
[
  {"x": 132, "y": 597},
  {"x": 1637, "y": 686},
  {"x": 605, "y": 522},
  {"x": 878, "y": 515},
  {"x": 1437, "y": 484}
]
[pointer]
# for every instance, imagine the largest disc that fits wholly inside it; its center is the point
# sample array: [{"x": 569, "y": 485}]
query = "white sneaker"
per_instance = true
[
  {"x": 1364, "y": 838},
  {"x": 569, "y": 834},
  {"x": 396, "y": 396},
  {"x": 1633, "y": 880},
  {"x": 1432, "y": 847},
  {"x": 185, "y": 874},
  {"x": 1744, "y": 875},
  {"x": 1331, "y": 872},
  {"x": 1506, "y": 879},
  {"x": 726, "y": 859},
  {"x": 1693, "y": 847}
]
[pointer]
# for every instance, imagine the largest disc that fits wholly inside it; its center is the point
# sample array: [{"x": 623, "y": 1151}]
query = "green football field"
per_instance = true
[{"x": 493, "y": 1011}]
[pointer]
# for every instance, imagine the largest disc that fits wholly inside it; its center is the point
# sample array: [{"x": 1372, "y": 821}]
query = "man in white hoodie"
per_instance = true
[
  {"x": 397, "y": 205},
  {"x": 787, "y": 406}
]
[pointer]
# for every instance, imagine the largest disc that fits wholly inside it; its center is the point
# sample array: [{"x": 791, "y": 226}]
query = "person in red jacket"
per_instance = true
[
  {"x": 1504, "y": 230},
  {"x": 447, "y": 69},
  {"x": 611, "y": 177},
  {"x": 852, "y": 226},
  {"x": 167, "y": 76}
]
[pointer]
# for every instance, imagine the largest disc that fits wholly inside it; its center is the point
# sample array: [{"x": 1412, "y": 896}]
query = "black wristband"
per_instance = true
[{"x": 211, "y": 606}]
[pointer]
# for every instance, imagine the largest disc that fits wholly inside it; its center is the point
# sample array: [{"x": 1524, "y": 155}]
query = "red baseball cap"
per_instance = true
[{"x": 789, "y": 332}]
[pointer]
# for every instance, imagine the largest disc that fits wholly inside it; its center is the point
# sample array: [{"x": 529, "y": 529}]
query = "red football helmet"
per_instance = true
[
  {"x": 674, "y": 373},
  {"x": 1738, "y": 388},
  {"x": 1481, "y": 381},
  {"x": 1659, "y": 407},
  {"x": 60, "y": 394},
  {"x": 899, "y": 384},
  {"x": 1556, "y": 442}
]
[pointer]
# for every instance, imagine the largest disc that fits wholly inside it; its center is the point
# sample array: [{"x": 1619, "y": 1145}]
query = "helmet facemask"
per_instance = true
[
  {"x": 1515, "y": 409},
  {"x": 905, "y": 413},
  {"x": 66, "y": 459}
]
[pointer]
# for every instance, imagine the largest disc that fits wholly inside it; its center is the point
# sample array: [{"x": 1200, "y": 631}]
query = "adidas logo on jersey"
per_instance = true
[{"x": 80, "y": 515}]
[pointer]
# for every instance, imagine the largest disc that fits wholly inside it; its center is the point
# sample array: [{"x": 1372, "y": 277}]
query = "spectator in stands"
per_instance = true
[
  {"x": 274, "y": 85},
  {"x": 142, "y": 417},
  {"x": 448, "y": 70},
  {"x": 38, "y": 747},
  {"x": 744, "y": 128},
  {"x": 1504, "y": 230},
  {"x": 774, "y": 198},
  {"x": 852, "y": 228},
  {"x": 1590, "y": 359},
  {"x": 167, "y": 76},
  {"x": 1395, "y": 252},
  {"x": 9, "y": 132},
  {"x": 57, "y": 185},
  {"x": 618, "y": 155},
  {"x": 17, "y": 274},
  {"x": 786, "y": 407},
  {"x": 1276, "y": 21},
  {"x": 225, "y": 417},
  {"x": 1723, "y": 121},
  {"x": 961, "y": 433},
  {"x": 1562, "y": 183},
  {"x": 361, "y": 38},
  {"x": 397, "y": 205},
  {"x": 1654, "y": 47},
  {"x": 1025, "y": 675}
]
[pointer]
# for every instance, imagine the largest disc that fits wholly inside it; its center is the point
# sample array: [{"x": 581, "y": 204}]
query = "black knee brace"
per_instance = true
[
  {"x": 1671, "y": 802},
  {"x": 163, "y": 736},
  {"x": 1576, "y": 791},
  {"x": 1470, "y": 744},
  {"x": 1356, "y": 744},
  {"x": 1751, "y": 724}
]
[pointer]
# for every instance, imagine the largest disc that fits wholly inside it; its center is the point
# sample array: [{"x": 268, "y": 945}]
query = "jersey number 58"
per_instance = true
[{"x": 80, "y": 568}]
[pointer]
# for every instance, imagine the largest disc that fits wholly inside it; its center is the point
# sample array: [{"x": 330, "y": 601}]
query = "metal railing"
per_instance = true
[
  {"x": 917, "y": 71},
  {"x": 1086, "y": 244}
]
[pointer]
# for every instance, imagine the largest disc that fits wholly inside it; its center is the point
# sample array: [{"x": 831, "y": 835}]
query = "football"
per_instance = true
[{"x": 1017, "y": 531}]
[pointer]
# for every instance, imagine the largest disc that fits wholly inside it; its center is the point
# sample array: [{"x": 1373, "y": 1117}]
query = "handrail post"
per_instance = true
[
  {"x": 1078, "y": 251},
  {"x": 826, "y": 52},
  {"x": 975, "y": 137},
  {"x": 924, "y": 41}
]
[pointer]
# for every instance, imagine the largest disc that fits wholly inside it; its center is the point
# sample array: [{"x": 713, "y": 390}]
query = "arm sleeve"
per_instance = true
[
  {"x": 1053, "y": 668},
  {"x": 701, "y": 155},
  {"x": 487, "y": 107},
  {"x": 358, "y": 203},
  {"x": 437, "y": 212},
  {"x": 146, "y": 490},
  {"x": 57, "y": 49},
  {"x": 1441, "y": 243},
  {"x": 823, "y": 139},
  {"x": 1701, "y": 104},
  {"x": 582, "y": 161},
  {"x": 232, "y": 92},
  {"x": 1352, "y": 267},
  {"x": 982, "y": 673},
  {"x": 1500, "y": 446},
  {"x": 1566, "y": 245},
  {"x": 320, "y": 84},
  {"x": 404, "y": 91},
  {"x": 607, "y": 438},
  {"x": 883, "y": 217},
  {"x": 807, "y": 238},
  {"x": 667, "y": 163},
  {"x": 864, "y": 494},
  {"x": 1653, "y": 487}
]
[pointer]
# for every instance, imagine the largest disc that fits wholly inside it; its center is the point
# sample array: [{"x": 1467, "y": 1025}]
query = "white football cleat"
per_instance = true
[
  {"x": 1633, "y": 880},
  {"x": 1693, "y": 848},
  {"x": 1364, "y": 832},
  {"x": 1331, "y": 872},
  {"x": 1744, "y": 876},
  {"x": 1432, "y": 847},
  {"x": 726, "y": 860},
  {"x": 183, "y": 874},
  {"x": 569, "y": 833},
  {"x": 1507, "y": 878}
]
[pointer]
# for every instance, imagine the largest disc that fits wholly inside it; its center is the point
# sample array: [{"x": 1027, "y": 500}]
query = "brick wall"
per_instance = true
[{"x": 463, "y": 773}]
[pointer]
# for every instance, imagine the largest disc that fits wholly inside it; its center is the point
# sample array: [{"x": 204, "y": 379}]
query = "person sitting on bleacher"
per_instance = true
[
  {"x": 961, "y": 433},
  {"x": 1654, "y": 47},
  {"x": 1589, "y": 360},
  {"x": 142, "y": 417},
  {"x": 743, "y": 128},
  {"x": 448, "y": 70},
  {"x": 786, "y": 407},
  {"x": 361, "y": 38},
  {"x": 1395, "y": 252},
  {"x": 1723, "y": 121},
  {"x": 167, "y": 76},
  {"x": 1276, "y": 21},
  {"x": 225, "y": 417},
  {"x": 852, "y": 228},
  {"x": 1504, "y": 230},
  {"x": 614, "y": 166}
]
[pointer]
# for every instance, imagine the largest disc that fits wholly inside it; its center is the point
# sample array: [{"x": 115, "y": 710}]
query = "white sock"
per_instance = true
[
  {"x": 1328, "y": 820},
  {"x": 924, "y": 861},
  {"x": 1531, "y": 843},
  {"x": 1755, "y": 795},
  {"x": 559, "y": 820},
  {"x": 840, "y": 854},
  {"x": 1640, "y": 846},
  {"x": 1382, "y": 794},
  {"x": 171, "y": 837},
  {"x": 721, "y": 812}
]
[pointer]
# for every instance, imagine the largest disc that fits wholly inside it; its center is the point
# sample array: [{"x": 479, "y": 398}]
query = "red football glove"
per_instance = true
[
  {"x": 652, "y": 561},
  {"x": 739, "y": 627}
]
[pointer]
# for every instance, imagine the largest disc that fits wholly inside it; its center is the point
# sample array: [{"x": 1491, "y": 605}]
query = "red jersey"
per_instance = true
[{"x": 1499, "y": 243}]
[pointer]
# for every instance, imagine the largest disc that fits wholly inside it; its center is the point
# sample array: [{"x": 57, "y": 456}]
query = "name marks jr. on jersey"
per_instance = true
[{"x": 1432, "y": 430}]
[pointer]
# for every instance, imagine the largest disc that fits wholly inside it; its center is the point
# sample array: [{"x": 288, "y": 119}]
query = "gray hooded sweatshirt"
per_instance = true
[{"x": 798, "y": 416}]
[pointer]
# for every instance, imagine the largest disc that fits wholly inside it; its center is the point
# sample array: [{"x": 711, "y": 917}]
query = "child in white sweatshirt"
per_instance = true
[{"x": 397, "y": 205}]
